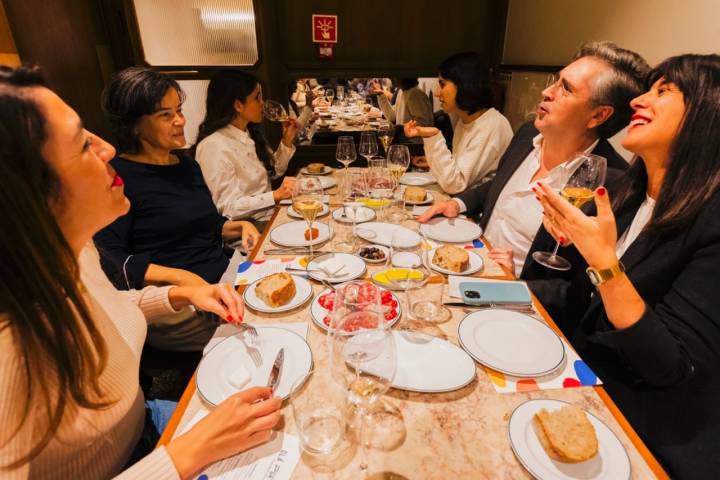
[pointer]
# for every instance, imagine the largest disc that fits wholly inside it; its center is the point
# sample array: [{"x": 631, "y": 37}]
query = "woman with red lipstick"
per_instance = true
[
  {"x": 173, "y": 233},
  {"x": 652, "y": 330},
  {"x": 70, "y": 402}
]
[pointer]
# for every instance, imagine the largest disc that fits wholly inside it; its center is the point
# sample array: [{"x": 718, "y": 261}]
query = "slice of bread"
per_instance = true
[
  {"x": 316, "y": 168},
  {"x": 451, "y": 258},
  {"x": 566, "y": 434},
  {"x": 415, "y": 194},
  {"x": 276, "y": 290}
]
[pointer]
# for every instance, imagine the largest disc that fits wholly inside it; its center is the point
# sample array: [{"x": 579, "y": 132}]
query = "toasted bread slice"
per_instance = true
[
  {"x": 566, "y": 434},
  {"x": 451, "y": 258},
  {"x": 316, "y": 167},
  {"x": 276, "y": 290}
]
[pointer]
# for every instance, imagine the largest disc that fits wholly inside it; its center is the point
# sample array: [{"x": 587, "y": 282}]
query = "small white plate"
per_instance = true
[
  {"x": 417, "y": 179},
  {"x": 430, "y": 364},
  {"x": 320, "y": 313},
  {"x": 223, "y": 360},
  {"x": 382, "y": 233},
  {"x": 303, "y": 293},
  {"x": 293, "y": 214},
  {"x": 511, "y": 342},
  {"x": 364, "y": 214},
  {"x": 382, "y": 248},
  {"x": 428, "y": 200},
  {"x": 611, "y": 462},
  {"x": 451, "y": 230},
  {"x": 326, "y": 171},
  {"x": 288, "y": 201},
  {"x": 352, "y": 267},
  {"x": 292, "y": 234},
  {"x": 476, "y": 264}
]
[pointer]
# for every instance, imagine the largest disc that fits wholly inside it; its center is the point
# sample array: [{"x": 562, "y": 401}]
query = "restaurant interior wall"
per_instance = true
[{"x": 8, "y": 52}]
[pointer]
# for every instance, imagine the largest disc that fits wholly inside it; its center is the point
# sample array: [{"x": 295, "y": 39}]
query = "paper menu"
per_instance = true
[{"x": 274, "y": 460}]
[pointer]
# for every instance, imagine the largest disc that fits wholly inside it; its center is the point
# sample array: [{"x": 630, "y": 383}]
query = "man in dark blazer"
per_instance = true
[{"x": 589, "y": 103}]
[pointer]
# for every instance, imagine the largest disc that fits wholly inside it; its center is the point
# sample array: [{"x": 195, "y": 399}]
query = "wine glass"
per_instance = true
[
  {"x": 405, "y": 264},
  {"x": 362, "y": 350},
  {"x": 329, "y": 95},
  {"x": 307, "y": 201},
  {"x": 345, "y": 152},
  {"x": 587, "y": 176},
  {"x": 353, "y": 192},
  {"x": 340, "y": 93},
  {"x": 380, "y": 187},
  {"x": 398, "y": 161},
  {"x": 274, "y": 111},
  {"x": 368, "y": 145}
]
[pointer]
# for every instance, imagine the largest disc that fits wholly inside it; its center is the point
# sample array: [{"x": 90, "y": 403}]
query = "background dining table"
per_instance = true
[{"x": 459, "y": 434}]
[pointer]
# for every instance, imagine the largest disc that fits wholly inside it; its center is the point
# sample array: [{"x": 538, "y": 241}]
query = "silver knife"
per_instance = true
[{"x": 276, "y": 371}]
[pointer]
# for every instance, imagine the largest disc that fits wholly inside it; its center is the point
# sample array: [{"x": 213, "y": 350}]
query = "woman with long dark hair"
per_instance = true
[
  {"x": 70, "y": 401},
  {"x": 173, "y": 233},
  {"x": 481, "y": 133},
  {"x": 234, "y": 156},
  {"x": 652, "y": 331}
]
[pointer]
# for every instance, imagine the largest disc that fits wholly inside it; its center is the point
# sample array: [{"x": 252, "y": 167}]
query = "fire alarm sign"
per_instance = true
[{"x": 324, "y": 28}]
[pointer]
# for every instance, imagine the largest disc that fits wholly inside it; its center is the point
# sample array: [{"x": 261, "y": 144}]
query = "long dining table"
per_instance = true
[{"x": 459, "y": 434}]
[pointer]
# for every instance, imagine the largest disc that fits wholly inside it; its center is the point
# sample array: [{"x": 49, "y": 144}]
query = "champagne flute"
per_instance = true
[
  {"x": 307, "y": 201},
  {"x": 274, "y": 111},
  {"x": 386, "y": 132},
  {"x": 362, "y": 350},
  {"x": 579, "y": 189}
]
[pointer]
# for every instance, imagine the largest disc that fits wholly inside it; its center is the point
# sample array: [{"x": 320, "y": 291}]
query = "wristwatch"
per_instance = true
[{"x": 598, "y": 276}]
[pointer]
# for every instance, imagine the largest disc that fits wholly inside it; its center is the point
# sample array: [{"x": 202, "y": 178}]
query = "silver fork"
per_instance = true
[{"x": 253, "y": 345}]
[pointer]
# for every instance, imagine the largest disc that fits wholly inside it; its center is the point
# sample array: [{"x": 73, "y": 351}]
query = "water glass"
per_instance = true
[{"x": 320, "y": 409}]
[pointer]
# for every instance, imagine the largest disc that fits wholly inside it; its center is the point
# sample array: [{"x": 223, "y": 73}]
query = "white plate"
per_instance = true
[
  {"x": 364, "y": 214},
  {"x": 318, "y": 312},
  {"x": 451, "y": 230},
  {"x": 428, "y": 200},
  {"x": 476, "y": 264},
  {"x": 222, "y": 361},
  {"x": 327, "y": 182},
  {"x": 417, "y": 179},
  {"x": 611, "y": 462},
  {"x": 430, "y": 364},
  {"x": 292, "y": 234},
  {"x": 382, "y": 233},
  {"x": 511, "y": 342},
  {"x": 353, "y": 267},
  {"x": 288, "y": 201},
  {"x": 326, "y": 171},
  {"x": 382, "y": 248},
  {"x": 293, "y": 214},
  {"x": 303, "y": 293}
]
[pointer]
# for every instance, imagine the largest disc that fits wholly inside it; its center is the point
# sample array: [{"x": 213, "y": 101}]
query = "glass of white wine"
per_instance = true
[
  {"x": 398, "y": 161},
  {"x": 274, "y": 111},
  {"x": 386, "y": 133},
  {"x": 588, "y": 175},
  {"x": 307, "y": 202},
  {"x": 362, "y": 350}
]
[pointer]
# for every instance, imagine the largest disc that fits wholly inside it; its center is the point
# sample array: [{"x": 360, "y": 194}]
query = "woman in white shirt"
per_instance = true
[
  {"x": 235, "y": 158},
  {"x": 481, "y": 133}
]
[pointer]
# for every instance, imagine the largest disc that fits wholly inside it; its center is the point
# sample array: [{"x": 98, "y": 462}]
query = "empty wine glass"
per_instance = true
[
  {"x": 340, "y": 92},
  {"x": 368, "y": 145},
  {"x": 588, "y": 175},
  {"x": 274, "y": 111},
  {"x": 380, "y": 186},
  {"x": 386, "y": 133},
  {"x": 405, "y": 264},
  {"x": 307, "y": 202},
  {"x": 362, "y": 350},
  {"x": 353, "y": 193},
  {"x": 329, "y": 95}
]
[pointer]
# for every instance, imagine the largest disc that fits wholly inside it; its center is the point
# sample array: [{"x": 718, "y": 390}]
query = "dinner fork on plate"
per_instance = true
[{"x": 253, "y": 346}]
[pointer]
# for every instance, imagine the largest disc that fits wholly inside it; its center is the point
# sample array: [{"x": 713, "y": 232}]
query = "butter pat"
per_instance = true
[{"x": 240, "y": 377}]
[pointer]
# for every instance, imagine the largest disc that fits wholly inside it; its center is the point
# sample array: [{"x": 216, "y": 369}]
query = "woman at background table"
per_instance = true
[
  {"x": 234, "y": 156},
  {"x": 652, "y": 330},
  {"x": 173, "y": 233},
  {"x": 411, "y": 103},
  {"x": 70, "y": 403},
  {"x": 481, "y": 133}
]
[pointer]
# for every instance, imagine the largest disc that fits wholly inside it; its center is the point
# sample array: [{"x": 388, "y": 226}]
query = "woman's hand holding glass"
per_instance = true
[
  {"x": 588, "y": 175},
  {"x": 594, "y": 237}
]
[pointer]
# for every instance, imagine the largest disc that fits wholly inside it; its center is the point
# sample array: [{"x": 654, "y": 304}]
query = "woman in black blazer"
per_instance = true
[{"x": 652, "y": 332}]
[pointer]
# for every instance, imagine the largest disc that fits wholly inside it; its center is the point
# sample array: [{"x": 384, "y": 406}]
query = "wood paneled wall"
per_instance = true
[{"x": 8, "y": 52}]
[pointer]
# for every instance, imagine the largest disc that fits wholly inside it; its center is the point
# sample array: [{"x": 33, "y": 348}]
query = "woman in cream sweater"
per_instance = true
[{"x": 70, "y": 402}]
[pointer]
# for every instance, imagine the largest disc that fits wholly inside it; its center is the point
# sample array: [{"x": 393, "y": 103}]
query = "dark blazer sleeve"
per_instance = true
[
  {"x": 124, "y": 269},
  {"x": 682, "y": 330},
  {"x": 474, "y": 197}
]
